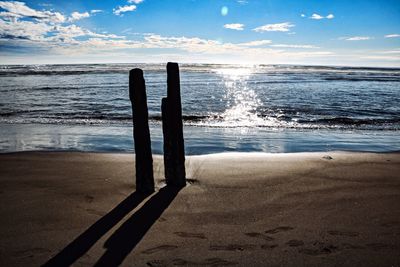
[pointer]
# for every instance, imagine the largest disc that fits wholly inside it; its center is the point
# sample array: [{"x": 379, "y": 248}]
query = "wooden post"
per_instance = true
[
  {"x": 174, "y": 149},
  {"x": 141, "y": 133},
  {"x": 168, "y": 158}
]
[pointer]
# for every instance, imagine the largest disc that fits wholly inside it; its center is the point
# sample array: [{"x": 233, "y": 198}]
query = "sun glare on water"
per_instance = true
[{"x": 242, "y": 101}]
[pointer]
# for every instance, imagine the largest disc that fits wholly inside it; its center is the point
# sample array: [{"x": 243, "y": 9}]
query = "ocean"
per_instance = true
[{"x": 249, "y": 108}]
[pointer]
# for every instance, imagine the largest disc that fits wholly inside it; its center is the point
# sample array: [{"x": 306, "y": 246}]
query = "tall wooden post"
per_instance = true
[
  {"x": 141, "y": 133},
  {"x": 174, "y": 149}
]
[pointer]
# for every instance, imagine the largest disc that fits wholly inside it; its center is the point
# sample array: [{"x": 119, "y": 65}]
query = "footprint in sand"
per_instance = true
[
  {"x": 351, "y": 246},
  {"x": 89, "y": 199},
  {"x": 162, "y": 219},
  {"x": 96, "y": 212},
  {"x": 390, "y": 224},
  {"x": 315, "y": 252},
  {"x": 319, "y": 248},
  {"x": 269, "y": 246},
  {"x": 159, "y": 248},
  {"x": 232, "y": 247},
  {"x": 206, "y": 262},
  {"x": 156, "y": 263},
  {"x": 260, "y": 235},
  {"x": 264, "y": 237},
  {"x": 379, "y": 246},
  {"x": 279, "y": 229},
  {"x": 192, "y": 181},
  {"x": 30, "y": 253},
  {"x": 295, "y": 243},
  {"x": 191, "y": 235},
  {"x": 343, "y": 233}
]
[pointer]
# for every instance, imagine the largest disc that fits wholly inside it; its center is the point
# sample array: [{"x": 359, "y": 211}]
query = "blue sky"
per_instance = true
[{"x": 312, "y": 32}]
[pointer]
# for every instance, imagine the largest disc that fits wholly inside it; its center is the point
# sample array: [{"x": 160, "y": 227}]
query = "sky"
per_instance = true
[{"x": 307, "y": 32}]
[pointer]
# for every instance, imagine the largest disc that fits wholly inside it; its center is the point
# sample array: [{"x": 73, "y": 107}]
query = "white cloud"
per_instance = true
[
  {"x": 17, "y": 9},
  {"x": 386, "y": 58},
  {"x": 391, "y": 52},
  {"x": 67, "y": 33},
  {"x": 394, "y": 35},
  {"x": 278, "y": 27},
  {"x": 356, "y": 38},
  {"x": 316, "y": 16},
  {"x": 188, "y": 47},
  {"x": 44, "y": 29},
  {"x": 234, "y": 26},
  {"x": 135, "y": 1},
  {"x": 243, "y": 2},
  {"x": 24, "y": 30},
  {"x": 192, "y": 45},
  {"x": 45, "y": 4},
  {"x": 319, "y": 17},
  {"x": 47, "y": 34},
  {"x": 122, "y": 9},
  {"x": 330, "y": 16},
  {"x": 303, "y": 15},
  {"x": 94, "y": 11},
  {"x": 213, "y": 47},
  {"x": 127, "y": 30},
  {"x": 256, "y": 43},
  {"x": 77, "y": 16},
  {"x": 295, "y": 46}
]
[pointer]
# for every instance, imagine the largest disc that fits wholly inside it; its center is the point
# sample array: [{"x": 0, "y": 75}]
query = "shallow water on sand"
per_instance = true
[{"x": 198, "y": 140}]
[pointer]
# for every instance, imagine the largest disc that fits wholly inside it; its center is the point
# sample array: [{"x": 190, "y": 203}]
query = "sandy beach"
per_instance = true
[{"x": 238, "y": 209}]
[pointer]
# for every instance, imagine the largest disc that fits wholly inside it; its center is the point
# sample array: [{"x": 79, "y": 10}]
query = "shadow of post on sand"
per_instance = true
[
  {"x": 87, "y": 239},
  {"x": 125, "y": 239}
]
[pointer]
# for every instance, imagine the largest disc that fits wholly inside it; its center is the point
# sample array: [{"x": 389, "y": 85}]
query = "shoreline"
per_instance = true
[
  {"x": 226, "y": 153},
  {"x": 238, "y": 209},
  {"x": 198, "y": 140}
]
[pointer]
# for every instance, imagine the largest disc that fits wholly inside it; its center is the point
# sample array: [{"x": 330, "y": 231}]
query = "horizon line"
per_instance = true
[{"x": 209, "y": 63}]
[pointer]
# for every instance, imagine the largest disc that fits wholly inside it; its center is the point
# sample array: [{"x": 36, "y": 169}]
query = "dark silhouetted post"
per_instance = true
[
  {"x": 168, "y": 162},
  {"x": 141, "y": 133},
  {"x": 174, "y": 149}
]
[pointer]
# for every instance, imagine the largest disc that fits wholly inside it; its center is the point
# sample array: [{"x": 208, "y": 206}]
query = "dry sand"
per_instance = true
[{"x": 303, "y": 209}]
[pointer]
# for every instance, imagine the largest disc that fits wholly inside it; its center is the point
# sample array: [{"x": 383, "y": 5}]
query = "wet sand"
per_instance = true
[{"x": 238, "y": 209}]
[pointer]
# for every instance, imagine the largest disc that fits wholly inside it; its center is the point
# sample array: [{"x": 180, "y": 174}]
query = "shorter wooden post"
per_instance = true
[
  {"x": 174, "y": 149},
  {"x": 141, "y": 132},
  {"x": 168, "y": 160}
]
